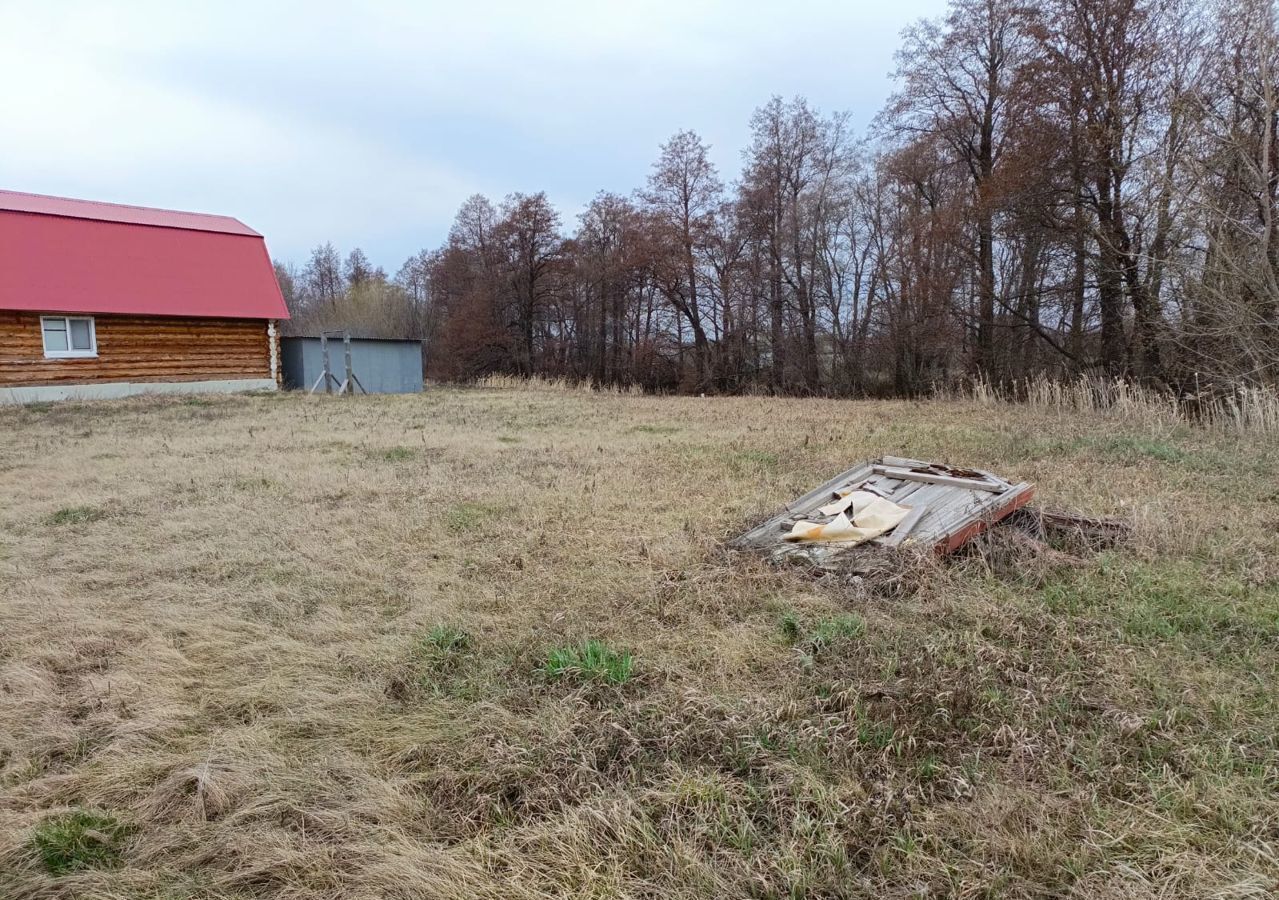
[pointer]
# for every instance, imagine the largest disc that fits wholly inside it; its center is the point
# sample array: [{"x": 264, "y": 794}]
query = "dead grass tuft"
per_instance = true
[{"x": 1028, "y": 554}]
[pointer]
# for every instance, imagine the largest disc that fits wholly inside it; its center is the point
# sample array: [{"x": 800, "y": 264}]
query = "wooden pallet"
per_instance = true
[{"x": 948, "y": 506}]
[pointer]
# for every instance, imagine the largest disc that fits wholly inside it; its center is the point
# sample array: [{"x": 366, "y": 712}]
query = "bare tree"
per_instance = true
[
  {"x": 1232, "y": 324},
  {"x": 357, "y": 270},
  {"x": 683, "y": 196},
  {"x": 528, "y": 234},
  {"x": 962, "y": 82},
  {"x": 322, "y": 276}
]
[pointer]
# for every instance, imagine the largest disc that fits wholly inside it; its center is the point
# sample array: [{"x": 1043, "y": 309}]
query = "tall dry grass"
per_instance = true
[
  {"x": 305, "y": 647},
  {"x": 500, "y": 382},
  {"x": 1241, "y": 408}
]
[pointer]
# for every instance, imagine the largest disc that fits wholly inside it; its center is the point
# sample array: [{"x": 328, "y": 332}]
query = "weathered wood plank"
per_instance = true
[
  {"x": 902, "y": 462},
  {"x": 818, "y": 496},
  {"x": 1005, "y": 505},
  {"x": 905, "y": 526},
  {"x": 907, "y": 489},
  {"x": 971, "y": 484}
]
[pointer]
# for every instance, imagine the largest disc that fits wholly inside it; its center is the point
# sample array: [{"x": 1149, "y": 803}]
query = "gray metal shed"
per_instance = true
[{"x": 381, "y": 366}]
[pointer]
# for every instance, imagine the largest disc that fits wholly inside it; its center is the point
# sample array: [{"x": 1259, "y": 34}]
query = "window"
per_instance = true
[{"x": 67, "y": 337}]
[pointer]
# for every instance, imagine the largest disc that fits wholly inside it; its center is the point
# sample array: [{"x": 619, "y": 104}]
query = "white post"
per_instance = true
[
  {"x": 348, "y": 384},
  {"x": 324, "y": 351}
]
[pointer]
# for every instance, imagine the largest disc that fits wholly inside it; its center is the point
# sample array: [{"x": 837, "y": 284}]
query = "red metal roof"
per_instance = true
[
  {"x": 17, "y": 201},
  {"x": 60, "y": 255}
]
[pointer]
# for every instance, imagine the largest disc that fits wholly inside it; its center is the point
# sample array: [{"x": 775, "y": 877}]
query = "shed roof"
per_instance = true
[{"x": 63, "y": 255}]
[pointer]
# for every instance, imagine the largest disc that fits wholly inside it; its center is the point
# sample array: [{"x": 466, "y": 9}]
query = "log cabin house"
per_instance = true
[{"x": 104, "y": 300}]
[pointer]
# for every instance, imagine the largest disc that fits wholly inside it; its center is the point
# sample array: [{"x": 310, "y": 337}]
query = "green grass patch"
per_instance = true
[
  {"x": 1173, "y": 600},
  {"x": 446, "y": 639},
  {"x": 440, "y": 653},
  {"x": 749, "y": 460},
  {"x": 824, "y": 633},
  {"x": 928, "y": 768},
  {"x": 874, "y": 733},
  {"x": 590, "y": 661},
  {"x": 468, "y": 516},
  {"x": 842, "y": 627},
  {"x": 1135, "y": 449},
  {"x": 398, "y": 454},
  {"x": 791, "y": 627},
  {"x": 80, "y": 840},
  {"x": 76, "y": 515},
  {"x": 1123, "y": 448}
]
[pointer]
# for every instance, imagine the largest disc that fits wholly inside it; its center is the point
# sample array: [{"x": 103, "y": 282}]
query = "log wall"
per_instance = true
[{"x": 138, "y": 348}]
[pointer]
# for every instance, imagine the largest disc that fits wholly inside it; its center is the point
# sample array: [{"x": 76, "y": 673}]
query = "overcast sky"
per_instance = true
[{"x": 370, "y": 123}]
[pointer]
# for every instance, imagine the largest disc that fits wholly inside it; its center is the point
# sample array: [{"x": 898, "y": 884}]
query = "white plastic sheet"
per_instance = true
[{"x": 870, "y": 518}]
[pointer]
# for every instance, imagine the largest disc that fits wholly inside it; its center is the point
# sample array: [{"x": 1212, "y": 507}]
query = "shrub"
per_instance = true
[
  {"x": 590, "y": 661},
  {"x": 78, "y": 840}
]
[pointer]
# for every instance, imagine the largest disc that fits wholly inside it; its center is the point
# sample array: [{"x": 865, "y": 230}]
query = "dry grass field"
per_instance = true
[{"x": 280, "y": 646}]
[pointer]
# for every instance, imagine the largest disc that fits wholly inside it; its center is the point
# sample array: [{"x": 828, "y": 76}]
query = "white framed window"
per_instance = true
[{"x": 68, "y": 337}]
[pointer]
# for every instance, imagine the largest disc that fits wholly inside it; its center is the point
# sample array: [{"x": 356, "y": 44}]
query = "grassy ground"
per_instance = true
[{"x": 487, "y": 643}]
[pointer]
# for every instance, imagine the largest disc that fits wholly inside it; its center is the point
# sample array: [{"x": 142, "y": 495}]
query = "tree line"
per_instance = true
[{"x": 1056, "y": 187}]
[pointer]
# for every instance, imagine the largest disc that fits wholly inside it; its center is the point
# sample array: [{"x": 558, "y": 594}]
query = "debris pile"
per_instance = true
[{"x": 888, "y": 502}]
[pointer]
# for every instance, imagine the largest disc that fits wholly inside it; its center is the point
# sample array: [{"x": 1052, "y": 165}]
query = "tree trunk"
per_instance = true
[{"x": 1110, "y": 276}]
